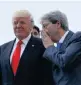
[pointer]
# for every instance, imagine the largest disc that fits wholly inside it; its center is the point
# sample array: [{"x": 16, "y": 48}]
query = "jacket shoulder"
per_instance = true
[
  {"x": 3, "y": 46},
  {"x": 37, "y": 41},
  {"x": 76, "y": 36}
]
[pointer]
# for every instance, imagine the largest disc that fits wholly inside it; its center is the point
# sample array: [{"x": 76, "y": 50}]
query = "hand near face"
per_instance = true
[{"x": 46, "y": 39}]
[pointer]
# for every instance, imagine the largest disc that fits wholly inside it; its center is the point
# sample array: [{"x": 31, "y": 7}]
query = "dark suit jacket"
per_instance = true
[
  {"x": 32, "y": 70},
  {"x": 66, "y": 60}
]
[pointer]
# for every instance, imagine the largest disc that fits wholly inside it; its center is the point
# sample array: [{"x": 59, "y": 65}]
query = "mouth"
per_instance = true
[{"x": 19, "y": 30}]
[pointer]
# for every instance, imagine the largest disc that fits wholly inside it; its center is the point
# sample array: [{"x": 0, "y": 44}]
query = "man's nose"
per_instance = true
[{"x": 18, "y": 25}]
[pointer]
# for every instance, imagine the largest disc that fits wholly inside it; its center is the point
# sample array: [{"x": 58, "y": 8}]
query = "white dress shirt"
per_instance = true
[
  {"x": 25, "y": 42},
  {"x": 62, "y": 39}
]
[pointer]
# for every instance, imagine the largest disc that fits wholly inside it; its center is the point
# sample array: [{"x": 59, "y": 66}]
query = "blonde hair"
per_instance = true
[{"x": 23, "y": 13}]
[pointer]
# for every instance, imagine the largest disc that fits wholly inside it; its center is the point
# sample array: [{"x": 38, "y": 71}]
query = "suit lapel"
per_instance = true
[
  {"x": 64, "y": 44},
  {"x": 66, "y": 40},
  {"x": 28, "y": 49},
  {"x": 26, "y": 56}
]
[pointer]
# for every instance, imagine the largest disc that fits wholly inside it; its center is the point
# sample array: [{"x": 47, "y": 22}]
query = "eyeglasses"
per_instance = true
[{"x": 46, "y": 25}]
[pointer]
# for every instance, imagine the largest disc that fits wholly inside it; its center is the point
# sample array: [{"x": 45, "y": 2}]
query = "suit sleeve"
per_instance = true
[{"x": 65, "y": 57}]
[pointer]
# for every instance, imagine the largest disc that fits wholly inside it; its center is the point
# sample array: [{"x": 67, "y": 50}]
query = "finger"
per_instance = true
[{"x": 44, "y": 34}]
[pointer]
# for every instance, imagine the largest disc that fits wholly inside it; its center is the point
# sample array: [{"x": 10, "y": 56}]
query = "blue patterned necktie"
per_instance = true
[{"x": 59, "y": 45}]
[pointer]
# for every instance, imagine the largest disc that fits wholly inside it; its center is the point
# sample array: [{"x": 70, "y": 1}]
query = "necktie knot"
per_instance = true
[
  {"x": 19, "y": 42},
  {"x": 59, "y": 45}
]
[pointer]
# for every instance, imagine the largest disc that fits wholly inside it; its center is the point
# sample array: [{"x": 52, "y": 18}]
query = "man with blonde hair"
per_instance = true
[{"x": 21, "y": 61}]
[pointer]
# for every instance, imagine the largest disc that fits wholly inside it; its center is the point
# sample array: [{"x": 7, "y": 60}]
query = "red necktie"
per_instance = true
[{"x": 16, "y": 57}]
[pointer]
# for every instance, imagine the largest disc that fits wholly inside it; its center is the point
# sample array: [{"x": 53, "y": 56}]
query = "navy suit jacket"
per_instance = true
[
  {"x": 33, "y": 69},
  {"x": 66, "y": 60}
]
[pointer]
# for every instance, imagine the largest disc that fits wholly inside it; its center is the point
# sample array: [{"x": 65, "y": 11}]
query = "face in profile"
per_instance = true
[
  {"x": 51, "y": 29},
  {"x": 22, "y": 27},
  {"x": 35, "y": 33}
]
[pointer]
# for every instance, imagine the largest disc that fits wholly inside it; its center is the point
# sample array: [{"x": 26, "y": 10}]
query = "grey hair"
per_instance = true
[{"x": 57, "y": 16}]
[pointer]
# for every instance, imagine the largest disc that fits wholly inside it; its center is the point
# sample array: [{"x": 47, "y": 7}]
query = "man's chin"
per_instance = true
[{"x": 20, "y": 36}]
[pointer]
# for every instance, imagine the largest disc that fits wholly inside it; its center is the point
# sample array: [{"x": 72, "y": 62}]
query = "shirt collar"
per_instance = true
[
  {"x": 63, "y": 37},
  {"x": 25, "y": 41}
]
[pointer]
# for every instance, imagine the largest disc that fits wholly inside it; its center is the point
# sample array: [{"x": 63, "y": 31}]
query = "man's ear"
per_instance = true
[{"x": 58, "y": 24}]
